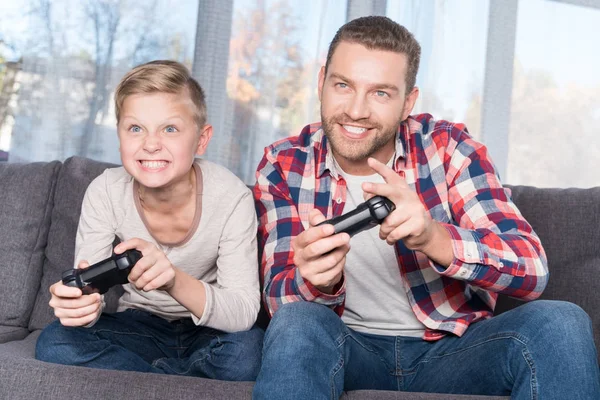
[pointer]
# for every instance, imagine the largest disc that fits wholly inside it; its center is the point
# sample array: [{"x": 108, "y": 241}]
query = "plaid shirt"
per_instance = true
[{"x": 495, "y": 249}]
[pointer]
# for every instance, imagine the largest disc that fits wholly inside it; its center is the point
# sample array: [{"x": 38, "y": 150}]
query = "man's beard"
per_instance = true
[{"x": 354, "y": 151}]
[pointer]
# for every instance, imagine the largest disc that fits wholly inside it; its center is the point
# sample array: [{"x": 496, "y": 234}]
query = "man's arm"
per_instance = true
[
  {"x": 278, "y": 228},
  {"x": 494, "y": 247}
]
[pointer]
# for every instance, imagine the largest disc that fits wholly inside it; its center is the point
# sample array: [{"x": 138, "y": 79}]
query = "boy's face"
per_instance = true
[
  {"x": 159, "y": 138},
  {"x": 363, "y": 100}
]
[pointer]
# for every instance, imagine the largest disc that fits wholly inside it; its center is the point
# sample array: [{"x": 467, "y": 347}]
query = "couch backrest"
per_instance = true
[
  {"x": 72, "y": 182},
  {"x": 568, "y": 224},
  {"x": 26, "y": 192}
]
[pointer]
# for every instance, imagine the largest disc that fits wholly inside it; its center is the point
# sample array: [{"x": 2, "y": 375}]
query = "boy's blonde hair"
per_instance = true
[{"x": 161, "y": 76}]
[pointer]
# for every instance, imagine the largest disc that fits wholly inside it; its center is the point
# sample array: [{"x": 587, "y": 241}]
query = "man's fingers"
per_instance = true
[
  {"x": 388, "y": 174},
  {"x": 315, "y": 217},
  {"x": 325, "y": 245}
]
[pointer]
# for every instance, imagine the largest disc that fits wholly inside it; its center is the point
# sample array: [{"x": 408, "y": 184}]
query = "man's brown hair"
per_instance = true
[
  {"x": 380, "y": 33},
  {"x": 161, "y": 76}
]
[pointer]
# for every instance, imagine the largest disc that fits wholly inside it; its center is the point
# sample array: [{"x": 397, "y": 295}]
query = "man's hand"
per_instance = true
[
  {"x": 71, "y": 306},
  {"x": 153, "y": 270},
  {"x": 410, "y": 221},
  {"x": 319, "y": 256}
]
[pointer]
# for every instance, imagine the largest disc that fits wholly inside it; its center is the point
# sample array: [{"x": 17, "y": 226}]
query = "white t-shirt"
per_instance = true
[
  {"x": 220, "y": 250},
  {"x": 376, "y": 300}
]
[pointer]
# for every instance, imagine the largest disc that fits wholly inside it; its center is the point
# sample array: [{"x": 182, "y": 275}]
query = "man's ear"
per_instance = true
[
  {"x": 409, "y": 102},
  {"x": 205, "y": 135},
  {"x": 321, "y": 82}
]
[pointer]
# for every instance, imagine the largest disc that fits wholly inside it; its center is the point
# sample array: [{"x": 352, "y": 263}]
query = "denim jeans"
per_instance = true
[
  {"x": 136, "y": 340},
  {"x": 540, "y": 350}
]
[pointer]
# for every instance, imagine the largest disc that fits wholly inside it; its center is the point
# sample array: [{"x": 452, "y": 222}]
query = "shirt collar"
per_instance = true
[{"x": 330, "y": 165}]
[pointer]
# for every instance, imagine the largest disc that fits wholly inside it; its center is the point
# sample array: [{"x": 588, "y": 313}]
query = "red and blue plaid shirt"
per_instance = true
[{"x": 495, "y": 249}]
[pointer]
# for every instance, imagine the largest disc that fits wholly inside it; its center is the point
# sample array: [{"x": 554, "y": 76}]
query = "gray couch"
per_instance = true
[{"x": 39, "y": 211}]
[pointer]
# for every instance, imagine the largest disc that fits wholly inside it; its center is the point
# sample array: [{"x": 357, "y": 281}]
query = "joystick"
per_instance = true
[
  {"x": 367, "y": 215},
  {"x": 100, "y": 277}
]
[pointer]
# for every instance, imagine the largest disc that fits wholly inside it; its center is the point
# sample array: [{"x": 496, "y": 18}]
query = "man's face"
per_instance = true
[
  {"x": 363, "y": 101},
  {"x": 159, "y": 138}
]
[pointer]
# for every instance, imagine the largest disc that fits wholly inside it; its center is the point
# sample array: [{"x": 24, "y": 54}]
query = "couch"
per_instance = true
[{"x": 39, "y": 211}]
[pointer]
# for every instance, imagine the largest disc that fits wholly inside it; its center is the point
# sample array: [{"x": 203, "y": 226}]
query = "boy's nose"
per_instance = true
[{"x": 152, "y": 144}]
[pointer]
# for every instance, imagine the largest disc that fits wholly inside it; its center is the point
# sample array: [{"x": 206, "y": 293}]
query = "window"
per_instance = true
[{"x": 555, "y": 115}]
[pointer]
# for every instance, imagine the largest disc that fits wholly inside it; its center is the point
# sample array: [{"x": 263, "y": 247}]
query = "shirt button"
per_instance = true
[
  {"x": 463, "y": 272},
  {"x": 501, "y": 264},
  {"x": 338, "y": 200}
]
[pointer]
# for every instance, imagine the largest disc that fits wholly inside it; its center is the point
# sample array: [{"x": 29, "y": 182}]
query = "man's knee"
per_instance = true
[
  {"x": 302, "y": 317},
  {"x": 558, "y": 314}
]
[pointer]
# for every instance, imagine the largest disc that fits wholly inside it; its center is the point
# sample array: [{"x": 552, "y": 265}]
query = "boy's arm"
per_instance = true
[
  {"x": 95, "y": 232},
  {"x": 279, "y": 222},
  {"x": 232, "y": 304},
  {"x": 494, "y": 247}
]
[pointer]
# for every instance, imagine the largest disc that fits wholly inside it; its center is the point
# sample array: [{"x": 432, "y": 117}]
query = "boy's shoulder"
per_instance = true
[
  {"x": 112, "y": 179},
  {"x": 219, "y": 181}
]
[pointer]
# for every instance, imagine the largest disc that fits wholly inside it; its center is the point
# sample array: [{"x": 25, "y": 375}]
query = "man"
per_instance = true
[{"x": 406, "y": 306}]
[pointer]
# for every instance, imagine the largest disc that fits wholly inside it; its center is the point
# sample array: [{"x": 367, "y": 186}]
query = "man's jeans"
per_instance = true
[
  {"x": 540, "y": 350},
  {"x": 136, "y": 340}
]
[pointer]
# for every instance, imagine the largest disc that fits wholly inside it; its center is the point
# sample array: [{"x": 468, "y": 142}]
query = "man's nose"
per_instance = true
[{"x": 357, "y": 107}]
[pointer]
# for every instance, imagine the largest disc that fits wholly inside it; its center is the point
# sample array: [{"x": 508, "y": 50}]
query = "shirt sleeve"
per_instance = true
[
  {"x": 494, "y": 247},
  {"x": 233, "y": 303},
  {"x": 95, "y": 233},
  {"x": 279, "y": 223},
  {"x": 96, "y": 229}
]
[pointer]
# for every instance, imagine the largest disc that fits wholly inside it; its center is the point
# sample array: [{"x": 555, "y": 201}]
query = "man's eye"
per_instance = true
[
  {"x": 381, "y": 93},
  {"x": 170, "y": 129},
  {"x": 341, "y": 85},
  {"x": 135, "y": 128}
]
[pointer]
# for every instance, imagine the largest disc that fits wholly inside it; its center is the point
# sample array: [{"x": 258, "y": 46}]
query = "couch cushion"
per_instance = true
[
  {"x": 568, "y": 224},
  {"x": 25, "y": 204},
  {"x": 73, "y": 180}
]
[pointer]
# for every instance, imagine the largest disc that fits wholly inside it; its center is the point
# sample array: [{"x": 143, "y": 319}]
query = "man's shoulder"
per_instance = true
[
  {"x": 426, "y": 124},
  {"x": 309, "y": 138}
]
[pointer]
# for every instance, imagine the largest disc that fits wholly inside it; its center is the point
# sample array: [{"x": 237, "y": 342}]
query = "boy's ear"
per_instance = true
[{"x": 205, "y": 135}]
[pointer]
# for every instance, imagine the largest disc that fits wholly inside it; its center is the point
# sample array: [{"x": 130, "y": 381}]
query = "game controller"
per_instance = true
[
  {"x": 367, "y": 215},
  {"x": 100, "y": 277}
]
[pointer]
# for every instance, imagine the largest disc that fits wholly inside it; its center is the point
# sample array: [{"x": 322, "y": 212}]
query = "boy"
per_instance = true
[{"x": 194, "y": 295}]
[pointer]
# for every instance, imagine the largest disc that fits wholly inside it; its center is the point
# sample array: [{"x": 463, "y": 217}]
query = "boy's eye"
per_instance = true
[
  {"x": 135, "y": 129},
  {"x": 170, "y": 129}
]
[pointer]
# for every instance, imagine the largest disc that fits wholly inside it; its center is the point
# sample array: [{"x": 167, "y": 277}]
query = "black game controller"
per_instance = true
[
  {"x": 367, "y": 215},
  {"x": 100, "y": 277}
]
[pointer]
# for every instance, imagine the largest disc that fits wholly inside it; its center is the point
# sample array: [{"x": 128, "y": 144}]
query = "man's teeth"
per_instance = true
[
  {"x": 153, "y": 164},
  {"x": 354, "y": 129}
]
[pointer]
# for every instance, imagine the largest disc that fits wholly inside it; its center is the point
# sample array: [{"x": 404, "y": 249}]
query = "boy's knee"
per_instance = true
[
  {"x": 48, "y": 341},
  {"x": 248, "y": 350}
]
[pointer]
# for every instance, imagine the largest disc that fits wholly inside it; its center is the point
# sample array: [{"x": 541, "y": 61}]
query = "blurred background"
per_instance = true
[{"x": 524, "y": 75}]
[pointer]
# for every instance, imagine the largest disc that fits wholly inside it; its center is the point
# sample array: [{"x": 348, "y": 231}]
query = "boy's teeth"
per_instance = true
[
  {"x": 154, "y": 164},
  {"x": 354, "y": 129}
]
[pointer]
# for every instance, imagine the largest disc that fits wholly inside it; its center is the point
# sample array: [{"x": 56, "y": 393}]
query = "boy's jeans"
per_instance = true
[
  {"x": 136, "y": 340},
  {"x": 540, "y": 350}
]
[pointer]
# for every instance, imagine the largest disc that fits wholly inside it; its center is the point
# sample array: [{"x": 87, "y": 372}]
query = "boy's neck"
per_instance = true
[{"x": 169, "y": 199}]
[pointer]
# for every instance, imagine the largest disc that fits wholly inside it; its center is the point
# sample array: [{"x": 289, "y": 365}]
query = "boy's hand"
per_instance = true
[
  {"x": 153, "y": 270},
  {"x": 319, "y": 256},
  {"x": 71, "y": 306}
]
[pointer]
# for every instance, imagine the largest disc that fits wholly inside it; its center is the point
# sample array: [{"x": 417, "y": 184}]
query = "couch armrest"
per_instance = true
[{"x": 10, "y": 333}]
